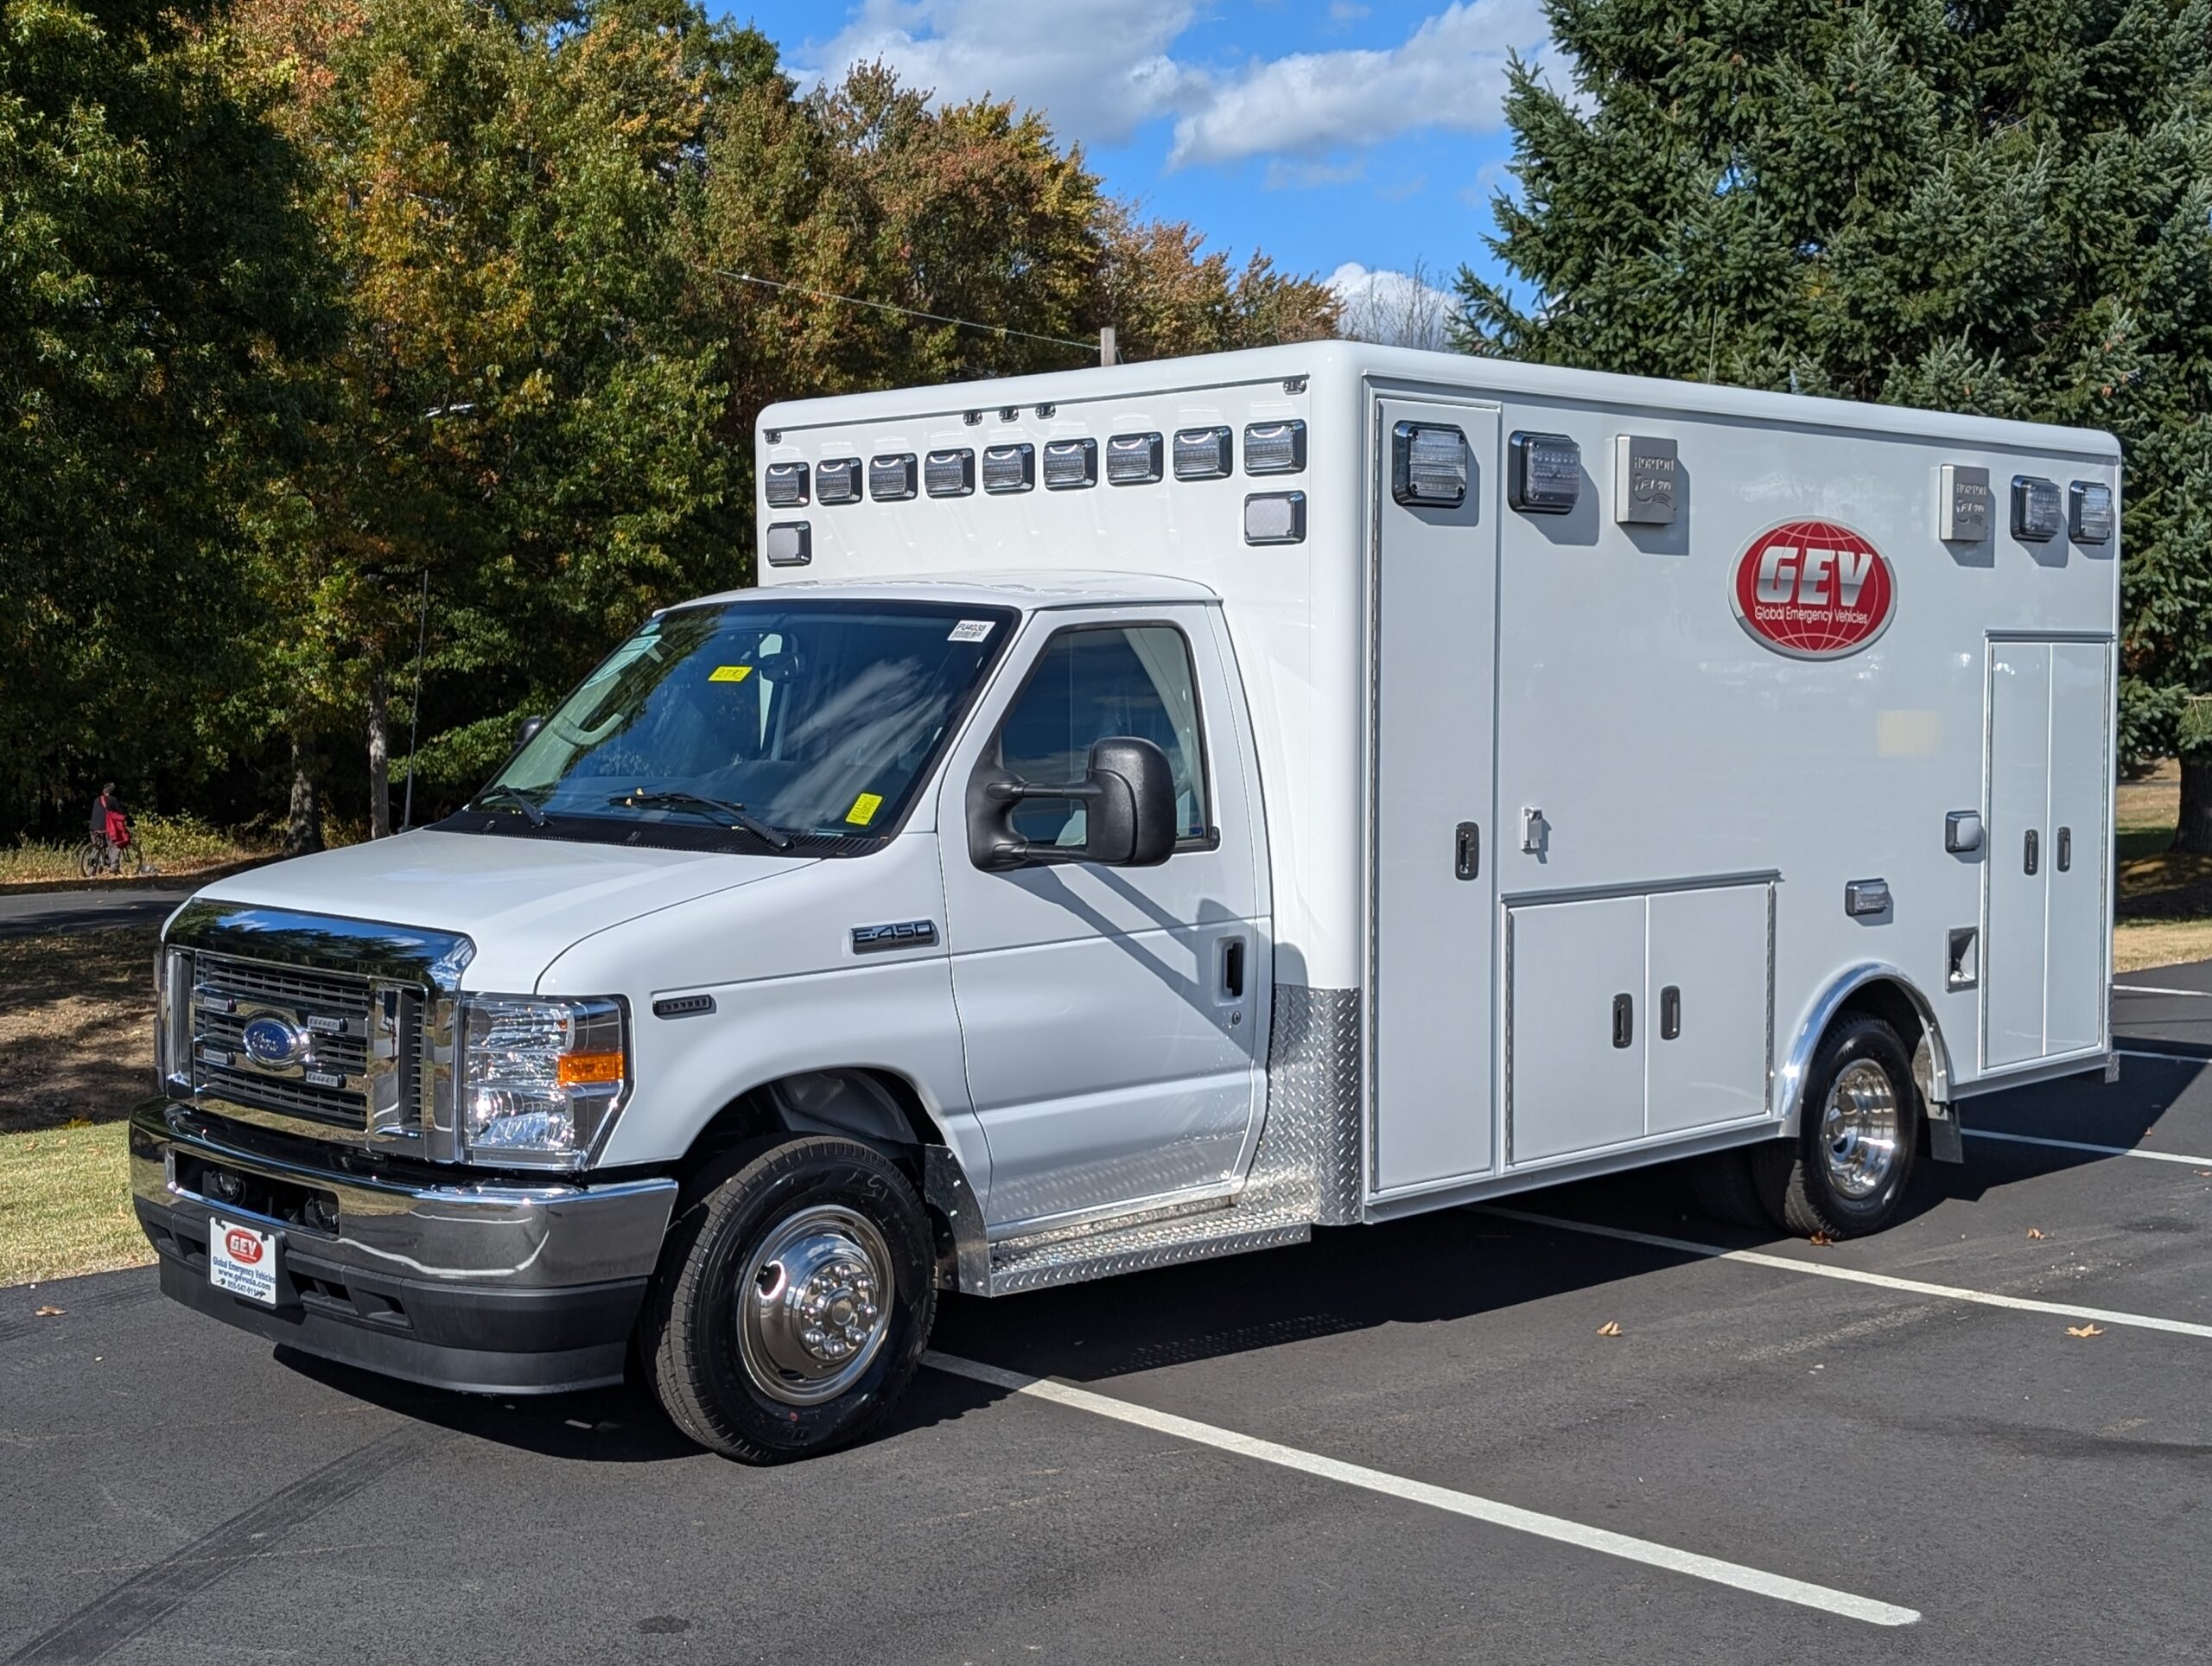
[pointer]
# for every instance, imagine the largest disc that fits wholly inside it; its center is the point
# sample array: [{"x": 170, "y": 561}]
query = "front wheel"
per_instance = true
[
  {"x": 129, "y": 861},
  {"x": 1846, "y": 1173},
  {"x": 89, "y": 860},
  {"x": 794, "y": 1299}
]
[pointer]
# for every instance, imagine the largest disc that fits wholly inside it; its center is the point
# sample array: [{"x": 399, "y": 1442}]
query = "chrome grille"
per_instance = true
[{"x": 338, "y": 1013}]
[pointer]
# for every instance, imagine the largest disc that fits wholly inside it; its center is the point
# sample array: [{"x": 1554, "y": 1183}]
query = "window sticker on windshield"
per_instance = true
[
  {"x": 971, "y": 630},
  {"x": 730, "y": 673},
  {"x": 864, "y": 809}
]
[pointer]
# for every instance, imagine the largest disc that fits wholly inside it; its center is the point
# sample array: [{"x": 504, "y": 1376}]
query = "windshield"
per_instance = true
[{"x": 770, "y": 724}]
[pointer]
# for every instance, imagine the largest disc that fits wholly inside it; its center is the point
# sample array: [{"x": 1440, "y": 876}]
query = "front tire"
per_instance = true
[
  {"x": 1847, "y": 1174},
  {"x": 794, "y": 1299}
]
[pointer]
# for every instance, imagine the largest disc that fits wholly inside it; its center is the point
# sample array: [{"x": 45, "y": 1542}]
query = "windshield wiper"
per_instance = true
[
  {"x": 738, "y": 815},
  {"x": 515, "y": 798}
]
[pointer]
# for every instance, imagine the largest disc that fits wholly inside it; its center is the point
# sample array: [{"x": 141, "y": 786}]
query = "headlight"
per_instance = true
[{"x": 542, "y": 1080}]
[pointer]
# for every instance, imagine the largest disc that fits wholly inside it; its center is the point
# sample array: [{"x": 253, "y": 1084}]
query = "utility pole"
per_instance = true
[
  {"x": 415, "y": 714},
  {"x": 1106, "y": 346}
]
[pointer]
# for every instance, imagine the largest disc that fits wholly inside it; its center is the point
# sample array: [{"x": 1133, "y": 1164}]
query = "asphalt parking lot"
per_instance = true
[{"x": 1409, "y": 1443}]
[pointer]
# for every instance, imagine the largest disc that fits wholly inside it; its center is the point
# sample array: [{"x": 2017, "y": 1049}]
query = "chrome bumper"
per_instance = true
[{"x": 506, "y": 1288}]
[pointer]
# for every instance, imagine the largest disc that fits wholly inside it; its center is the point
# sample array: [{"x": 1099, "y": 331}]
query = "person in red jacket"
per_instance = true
[{"x": 111, "y": 824}]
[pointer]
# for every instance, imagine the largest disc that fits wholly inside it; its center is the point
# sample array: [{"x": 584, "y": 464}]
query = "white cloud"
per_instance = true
[
  {"x": 1100, "y": 69},
  {"x": 1449, "y": 74},
  {"x": 1399, "y": 309},
  {"x": 1097, "y": 68}
]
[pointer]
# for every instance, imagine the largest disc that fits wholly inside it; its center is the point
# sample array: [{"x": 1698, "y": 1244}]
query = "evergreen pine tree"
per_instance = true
[{"x": 1996, "y": 207}]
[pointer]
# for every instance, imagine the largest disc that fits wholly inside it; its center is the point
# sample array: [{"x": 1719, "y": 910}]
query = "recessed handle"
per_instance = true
[
  {"x": 1467, "y": 851},
  {"x": 1232, "y": 969},
  {"x": 1624, "y": 1020},
  {"x": 1670, "y": 1012},
  {"x": 2031, "y": 852},
  {"x": 2065, "y": 848}
]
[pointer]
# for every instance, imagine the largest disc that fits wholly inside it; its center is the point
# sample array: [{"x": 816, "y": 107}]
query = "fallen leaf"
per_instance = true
[
  {"x": 2085, "y": 1330},
  {"x": 1611, "y": 1328},
  {"x": 49, "y": 1313},
  {"x": 2035, "y": 1231},
  {"x": 1821, "y": 1238}
]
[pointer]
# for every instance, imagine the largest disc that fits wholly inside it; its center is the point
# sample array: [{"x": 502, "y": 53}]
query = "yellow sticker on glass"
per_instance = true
[
  {"x": 864, "y": 809},
  {"x": 730, "y": 673}
]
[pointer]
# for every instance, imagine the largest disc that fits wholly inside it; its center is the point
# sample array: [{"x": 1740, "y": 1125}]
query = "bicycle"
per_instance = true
[{"x": 96, "y": 857}]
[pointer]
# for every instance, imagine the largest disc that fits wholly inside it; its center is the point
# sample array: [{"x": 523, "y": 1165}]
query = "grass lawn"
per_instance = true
[
  {"x": 2165, "y": 912},
  {"x": 76, "y": 1051}
]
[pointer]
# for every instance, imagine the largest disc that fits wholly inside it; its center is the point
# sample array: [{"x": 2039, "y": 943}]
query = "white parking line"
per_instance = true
[
  {"x": 1756, "y": 1580},
  {"x": 2077, "y": 1145},
  {"x": 2170, "y": 1057},
  {"x": 2148, "y": 988},
  {"x": 1853, "y": 1275}
]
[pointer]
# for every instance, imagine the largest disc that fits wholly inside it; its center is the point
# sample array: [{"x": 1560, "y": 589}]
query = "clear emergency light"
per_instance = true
[
  {"x": 1009, "y": 467},
  {"x": 1133, "y": 459},
  {"x": 786, "y": 484},
  {"x": 1275, "y": 447},
  {"x": 1543, "y": 474},
  {"x": 1429, "y": 466},
  {"x": 838, "y": 479},
  {"x": 2090, "y": 505},
  {"x": 891, "y": 480},
  {"x": 1070, "y": 465},
  {"x": 2036, "y": 515},
  {"x": 1203, "y": 454},
  {"x": 1274, "y": 518},
  {"x": 949, "y": 473}
]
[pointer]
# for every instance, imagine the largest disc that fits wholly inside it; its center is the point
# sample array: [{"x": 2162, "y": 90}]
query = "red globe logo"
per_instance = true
[{"x": 1814, "y": 589}]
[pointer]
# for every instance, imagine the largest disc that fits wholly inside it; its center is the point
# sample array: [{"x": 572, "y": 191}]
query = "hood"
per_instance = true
[{"x": 521, "y": 901}]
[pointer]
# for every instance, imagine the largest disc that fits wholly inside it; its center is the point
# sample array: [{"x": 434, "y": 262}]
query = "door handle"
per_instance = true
[
  {"x": 1624, "y": 1020},
  {"x": 1670, "y": 1012},
  {"x": 2065, "y": 848},
  {"x": 1232, "y": 969},
  {"x": 2030, "y": 853},
  {"x": 1467, "y": 851}
]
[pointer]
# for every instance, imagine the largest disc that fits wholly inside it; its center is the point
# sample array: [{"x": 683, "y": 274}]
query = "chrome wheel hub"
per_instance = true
[
  {"x": 814, "y": 1305},
  {"x": 1858, "y": 1129}
]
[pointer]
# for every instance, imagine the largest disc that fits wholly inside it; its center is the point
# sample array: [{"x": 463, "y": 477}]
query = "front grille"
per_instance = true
[{"x": 349, "y": 1026}]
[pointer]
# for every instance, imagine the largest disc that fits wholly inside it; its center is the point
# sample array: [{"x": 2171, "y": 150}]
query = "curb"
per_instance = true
[{"x": 188, "y": 879}]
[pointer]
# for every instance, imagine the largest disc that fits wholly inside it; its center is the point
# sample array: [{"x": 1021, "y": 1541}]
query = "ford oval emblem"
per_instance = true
[{"x": 273, "y": 1041}]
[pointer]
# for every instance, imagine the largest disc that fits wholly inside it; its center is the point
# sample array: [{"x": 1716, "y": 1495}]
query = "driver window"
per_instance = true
[{"x": 1090, "y": 683}]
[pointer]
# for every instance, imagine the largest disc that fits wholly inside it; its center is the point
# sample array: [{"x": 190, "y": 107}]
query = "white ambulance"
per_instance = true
[{"x": 1148, "y": 812}]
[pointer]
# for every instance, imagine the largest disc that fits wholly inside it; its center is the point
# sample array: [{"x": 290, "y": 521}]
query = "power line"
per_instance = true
[{"x": 909, "y": 312}]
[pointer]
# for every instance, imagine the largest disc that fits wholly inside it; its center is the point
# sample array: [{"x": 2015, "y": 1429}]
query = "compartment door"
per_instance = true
[
  {"x": 2017, "y": 853},
  {"x": 1576, "y": 1027},
  {"x": 1711, "y": 1024},
  {"x": 2074, "y": 1003},
  {"x": 1435, "y": 578}
]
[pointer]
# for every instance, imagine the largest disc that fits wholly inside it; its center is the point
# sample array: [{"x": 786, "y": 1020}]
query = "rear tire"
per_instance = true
[
  {"x": 1847, "y": 1171},
  {"x": 88, "y": 861},
  {"x": 793, "y": 1302}
]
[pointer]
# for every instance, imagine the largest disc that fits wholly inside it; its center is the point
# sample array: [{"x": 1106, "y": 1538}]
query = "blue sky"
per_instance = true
[{"x": 1332, "y": 135}]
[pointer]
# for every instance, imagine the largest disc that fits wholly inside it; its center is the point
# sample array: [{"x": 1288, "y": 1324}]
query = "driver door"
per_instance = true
[{"x": 1111, "y": 1017}]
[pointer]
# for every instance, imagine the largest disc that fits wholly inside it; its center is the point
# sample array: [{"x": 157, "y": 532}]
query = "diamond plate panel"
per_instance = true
[{"x": 1310, "y": 1148}]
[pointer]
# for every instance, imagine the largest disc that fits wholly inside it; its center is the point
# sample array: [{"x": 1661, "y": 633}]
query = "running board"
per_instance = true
[{"x": 1258, "y": 1218}]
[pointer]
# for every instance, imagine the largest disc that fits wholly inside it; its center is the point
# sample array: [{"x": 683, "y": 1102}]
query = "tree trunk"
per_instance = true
[
  {"x": 304, "y": 826},
  {"x": 380, "y": 757},
  {"x": 2195, "y": 833}
]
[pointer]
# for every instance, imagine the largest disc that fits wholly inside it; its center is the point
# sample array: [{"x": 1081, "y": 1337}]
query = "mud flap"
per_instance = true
[{"x": 1944, "y": 1144}]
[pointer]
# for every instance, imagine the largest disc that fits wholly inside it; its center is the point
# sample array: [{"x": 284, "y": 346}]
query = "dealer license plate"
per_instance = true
[{"x": 242, "y": 1260}]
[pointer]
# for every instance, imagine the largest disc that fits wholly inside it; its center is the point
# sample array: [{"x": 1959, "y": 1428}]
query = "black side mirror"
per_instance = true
[
  {"x": 528, "y": 732},
  {"x": 1128, "y": 800}
]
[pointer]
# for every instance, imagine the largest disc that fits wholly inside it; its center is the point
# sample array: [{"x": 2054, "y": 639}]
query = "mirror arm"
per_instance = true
[{"x": 1021, "y": 853}]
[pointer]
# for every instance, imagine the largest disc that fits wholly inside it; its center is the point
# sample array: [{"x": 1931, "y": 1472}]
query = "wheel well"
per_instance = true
[
  {"x": 1891, "y": 1001},
  {"x": 877, "y": 1108}
]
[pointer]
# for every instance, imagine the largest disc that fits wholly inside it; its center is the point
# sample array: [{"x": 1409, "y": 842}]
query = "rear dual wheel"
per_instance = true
[
  {"x": 796, "y": 1295},
  {"x": 1846, "y": 1173}
]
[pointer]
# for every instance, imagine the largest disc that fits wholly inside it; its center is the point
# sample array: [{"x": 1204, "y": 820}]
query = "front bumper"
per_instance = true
[{"x": 506, "y": 1289}]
